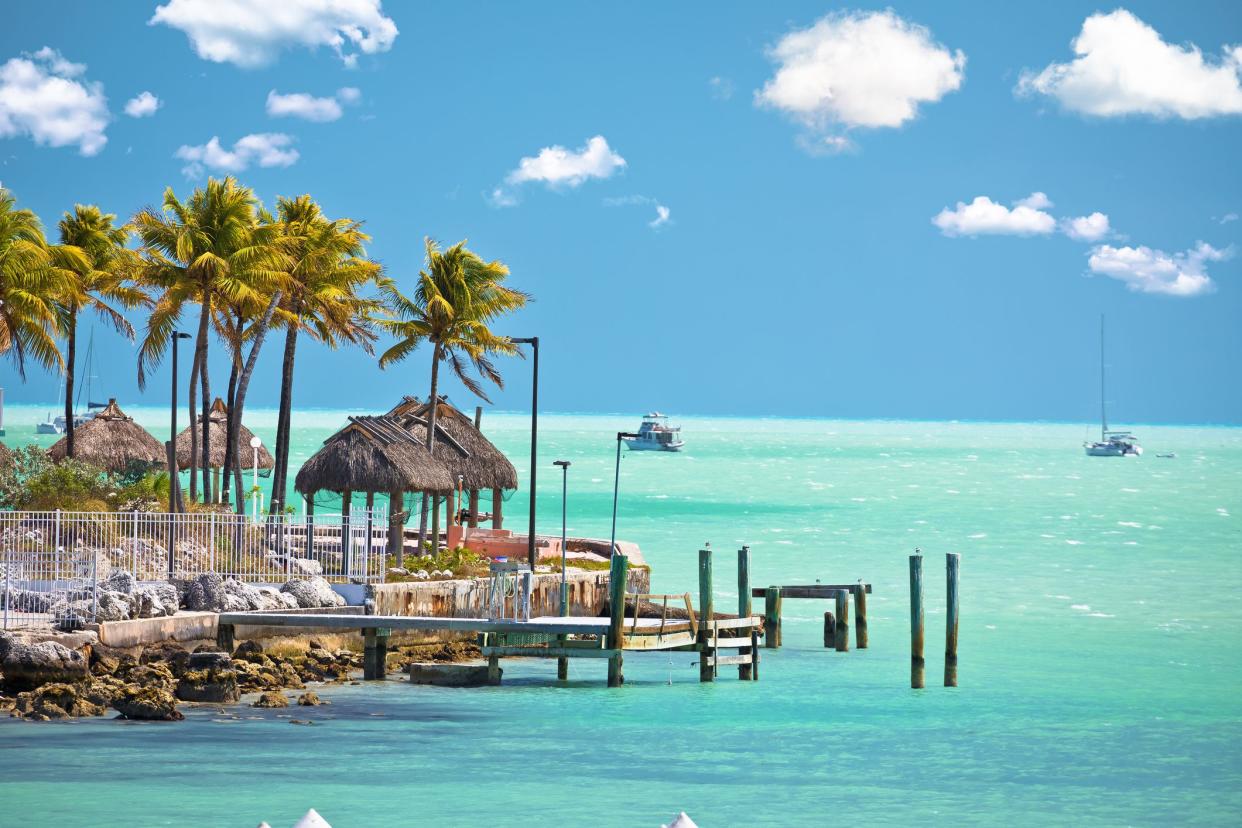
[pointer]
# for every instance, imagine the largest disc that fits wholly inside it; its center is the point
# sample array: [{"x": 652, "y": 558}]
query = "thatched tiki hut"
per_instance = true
[
  {"x": 113, "y": 442},
  {"x": 373, "y": 454},
  {"x": 471, "y": 458},
  {"x": 218, "y": 424}
]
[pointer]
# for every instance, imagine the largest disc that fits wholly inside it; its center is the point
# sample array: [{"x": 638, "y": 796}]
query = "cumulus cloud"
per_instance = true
[
  {"x": 983, "y": 216},
  {"x": 661, "y": 219},
  {"x": 1145, "y": 270},
  {"x": 1124, "y": 67},
  {"x": 308, "y": 107},
  {"x": 859, "y": 69},
  {"x": 1086, "y": 228},
  {"x": 252, "y": 33},
  {"x": 267, "y": 149},
  {"x": 143, "y": 105},
  {"x": 42, "y": 96},
  {"x": 559, "y": 167}
]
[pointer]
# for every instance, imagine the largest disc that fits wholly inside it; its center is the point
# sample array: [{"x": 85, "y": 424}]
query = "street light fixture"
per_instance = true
[
  {"x": 533, "y": 341},
  {"x": 616, "y": 484}
]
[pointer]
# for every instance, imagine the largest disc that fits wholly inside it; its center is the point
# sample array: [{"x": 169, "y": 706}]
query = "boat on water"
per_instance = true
[
  {"x": 655, "y": 434},
  {"x": 1111, "y": 443},
  {"x": 58, "y": 424}
]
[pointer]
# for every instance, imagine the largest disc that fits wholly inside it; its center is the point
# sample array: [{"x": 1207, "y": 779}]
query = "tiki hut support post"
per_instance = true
[
  {"x": 310, "y": 524},
  {"x": 370, "y": 527},
  {"x": 498, "y": 503},
  {"x": 435, "y": 525},
  {"x": 396, "y": 526},
  {"x": 474, "y": 493}
]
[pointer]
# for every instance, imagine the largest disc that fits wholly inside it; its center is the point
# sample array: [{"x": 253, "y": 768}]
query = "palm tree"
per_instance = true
[
  {"x": 29, "y": 285},
  {"x": 458, "y": 296},
  {"x": 97, "y": 277},
  {"x": 328, "y": 268},
  {"x": 207, "y": 249}
]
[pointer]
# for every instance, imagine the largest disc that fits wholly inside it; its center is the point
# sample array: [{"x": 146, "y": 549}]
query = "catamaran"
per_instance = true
[
  {"x": 1111, "y": 443},
  {"x": 655, "y": 434},
  {"x": 57, "y": 424}
]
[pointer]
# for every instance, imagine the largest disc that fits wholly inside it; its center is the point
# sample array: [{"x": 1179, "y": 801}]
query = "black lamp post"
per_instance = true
[
  {"x": 616, "y": 484},
  {"x": 564, "y": 464},
  {"x": 533, "y": 341},
  {"x": 174, "y": 479}
]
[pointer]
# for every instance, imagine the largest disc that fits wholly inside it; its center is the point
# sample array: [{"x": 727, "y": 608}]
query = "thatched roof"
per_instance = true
[
  {"x": 466, "y": 452},
  {"x": 373, "y": 454},
  {"x": 217, "y": 423},
  {"x": 112, "y": 441}
]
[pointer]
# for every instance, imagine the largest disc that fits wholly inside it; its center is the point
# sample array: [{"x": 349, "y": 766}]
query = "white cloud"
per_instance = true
[
  {"x": 557, "y": 166},
  {"x": 1228, "y": 217},
  {"x": 1153, "y": 271},
  {"x": 142, "y": 105},
  {"x": 500, "y": 197},
  {"x": 40, "y": 96},
  {"x": 985, "y": 216},
  {"x": 859, "y": 69},
  {"x": 1124, "y": 67},
  {"x": 267, "y": 149},
  {"x": 661, "y": 219},
  {"x": 252, "y": 33},
  {"x": 1086, "y": 228},
  {"x": 722, "y": 88},
  {"x": 349, "y": 94}
]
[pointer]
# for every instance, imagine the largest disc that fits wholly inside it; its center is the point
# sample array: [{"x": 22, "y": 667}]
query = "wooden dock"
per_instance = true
[{"x": 558, "y": 636}]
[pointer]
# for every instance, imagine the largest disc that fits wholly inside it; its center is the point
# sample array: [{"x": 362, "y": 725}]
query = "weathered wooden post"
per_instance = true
[
  {"x": 224, "y": 638},
  {"x": 916, "y": 620},
  {"x": 371, "y": 667},
  {"x": 617, "y": 574},
  {"x": 952, "y": 560},
  {"x": 830, "y": 630},
  {"x": 842, "y": 627},
  {"x": 860, "y": 614},
  {"x": 772, "y": 617},
  {"x": 346, "y": 533},
  {"x": 744, "y": 604},
  {"x": 707, "y": 609},
  {"x": 754, "y": 653}
]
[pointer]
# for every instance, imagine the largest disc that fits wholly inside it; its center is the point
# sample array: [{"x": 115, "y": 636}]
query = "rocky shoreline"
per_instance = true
[{"x": 46, "y": 680}]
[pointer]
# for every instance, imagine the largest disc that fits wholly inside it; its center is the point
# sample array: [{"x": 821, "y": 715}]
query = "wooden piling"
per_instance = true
[
  {"x": 617, "y": 573},
  {"x": 370, "y": 670},
  {"x": 841, "y": 631},
  {"x": 744, "y": 604},
  {"x": 772, "y": 618},
  {"x": 707, "y": 609},
  {"x": 951, "y": 564},
  {"x": 916, "y": 621},
  {"x": 830, "y": 631},
  {"x": 860, "y": 615},
  {"x": 754, "y": 654}
]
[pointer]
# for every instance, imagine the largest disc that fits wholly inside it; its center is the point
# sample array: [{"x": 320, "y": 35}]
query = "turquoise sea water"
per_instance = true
[{"x": 1100, "y": 666}]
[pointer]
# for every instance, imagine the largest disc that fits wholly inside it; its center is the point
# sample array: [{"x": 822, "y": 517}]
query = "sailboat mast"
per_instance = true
[{"x": 1103, "y": 405}]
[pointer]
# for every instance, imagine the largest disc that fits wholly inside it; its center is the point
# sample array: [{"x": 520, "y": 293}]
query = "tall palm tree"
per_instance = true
[
  {"x": 458, "y": 296},
  {"x": 208, "y": 248},
  {"x": 97, "y": 282},
  {"x": 328, "y": 268},
  {"x": 29, "y": 285}
]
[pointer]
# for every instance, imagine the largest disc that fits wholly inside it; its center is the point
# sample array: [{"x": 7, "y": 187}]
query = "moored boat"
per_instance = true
[
  {"x": 655, "y": 434},
  {"x": 1111, "y": 443}
]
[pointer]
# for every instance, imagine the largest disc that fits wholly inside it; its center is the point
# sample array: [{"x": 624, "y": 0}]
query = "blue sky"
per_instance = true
[{"x": 813, "y": 260}]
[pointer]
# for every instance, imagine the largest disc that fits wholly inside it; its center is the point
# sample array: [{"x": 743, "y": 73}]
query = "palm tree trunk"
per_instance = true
[
  {"x": 230, "y": 395},
  {"x": 239, "y": 402},
  {"x": 208, "y": 494},
  {"x": 431, "y": 440},
  {"x": 70, "y": 357},
  {"x": 200, "y": 367},
  {"x": 193, "y": 465},
  {"x": 284, "y": 418}
]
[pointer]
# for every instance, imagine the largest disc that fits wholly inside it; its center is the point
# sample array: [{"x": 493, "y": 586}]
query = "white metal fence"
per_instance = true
[{"x": 51, "y": 562}]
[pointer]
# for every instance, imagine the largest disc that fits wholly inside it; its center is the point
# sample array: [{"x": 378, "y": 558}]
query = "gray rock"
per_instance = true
[
  {"x": 121, "y": 581},
  {"x": 147, "y": 703},
  {"x": 206, "y": 593},
  {"x": 313, "y": 592},
  {"x": 208, "y": 659},
  {"x": 25, "y": 666},
  {"x": 273, "y": 599},
  {"x": 154, "y": 601},
  {"x": 241, "y": 597},
  {"x": 111, "y": 606},
  {"x": 29, "y": 600}
]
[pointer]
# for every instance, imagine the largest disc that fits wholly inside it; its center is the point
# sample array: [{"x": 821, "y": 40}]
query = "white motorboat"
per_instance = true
[
  {"x": 655, "y": 434},
  {"x": 1111, "y": 443}
]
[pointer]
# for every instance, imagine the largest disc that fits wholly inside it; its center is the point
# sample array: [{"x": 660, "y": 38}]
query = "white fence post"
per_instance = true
[{"x": 56, "y": 544}]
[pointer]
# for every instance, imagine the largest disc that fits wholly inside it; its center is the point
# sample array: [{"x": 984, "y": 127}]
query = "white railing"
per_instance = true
[{"x": 67, "y": 553}]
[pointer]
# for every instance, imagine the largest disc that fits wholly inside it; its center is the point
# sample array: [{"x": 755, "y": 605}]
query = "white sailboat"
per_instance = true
[{"x": 1111, "y": 443}]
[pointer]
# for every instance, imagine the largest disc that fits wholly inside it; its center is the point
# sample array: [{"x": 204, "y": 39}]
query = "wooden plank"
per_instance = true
[
  {"x": 660, "y": 642},
  {"x": 827, "y": 591},
  {"x": 725, "y": 643},
  {"x": 952, "y": 565},
  {"x": 737, "y": 623},
  {"x": 717, "y": 660},
  {"x": 916, "y": 621},
  {"x": 547, "y": 652}
]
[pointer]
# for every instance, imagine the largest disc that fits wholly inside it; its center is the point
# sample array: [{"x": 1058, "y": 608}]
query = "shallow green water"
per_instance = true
[{"x": 1099, "y": 653}]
